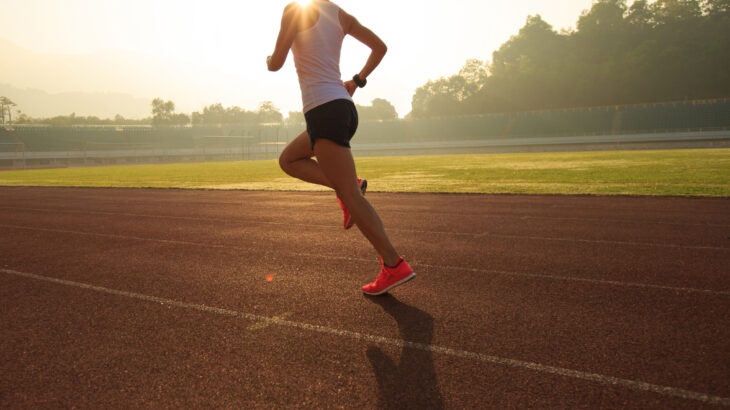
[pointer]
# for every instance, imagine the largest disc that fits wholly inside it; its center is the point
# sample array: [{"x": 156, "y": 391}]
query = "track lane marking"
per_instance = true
[
  {"x": 279, "y": 321},
  {"x": 264, "y": 324},
  {"x": 575, "y": 279},
  {"x": 548, "y": 238},
  {"x": 347, "y": 258},
  {"x": 467, "y": 234}
]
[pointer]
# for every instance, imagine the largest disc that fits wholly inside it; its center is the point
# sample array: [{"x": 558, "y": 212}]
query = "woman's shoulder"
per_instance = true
[{"x": 301, "y": 16}]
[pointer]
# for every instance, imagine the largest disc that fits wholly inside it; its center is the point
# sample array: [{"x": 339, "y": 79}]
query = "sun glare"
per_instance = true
[{"x": 304, "y": 3}]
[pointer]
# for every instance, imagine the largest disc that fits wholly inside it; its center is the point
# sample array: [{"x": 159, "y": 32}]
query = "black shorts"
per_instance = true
[{"x": 335, "y": 120}]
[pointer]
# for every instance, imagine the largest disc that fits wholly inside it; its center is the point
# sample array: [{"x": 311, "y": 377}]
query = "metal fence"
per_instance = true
[{"x": 692, "y": 123}]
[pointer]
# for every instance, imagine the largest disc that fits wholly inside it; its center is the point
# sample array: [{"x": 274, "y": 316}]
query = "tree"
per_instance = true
[
  {"x": 180, "y": 119},
  {"x": 640, "y": 15},
  {"x": 269, "y": 113},
  {"x": 23, "y": 118},
  {"x": 163, "y": 113},
  {"x": 525, "y": 70},
  {"x": 673, "y": 11},
  {"x": 475, "y": 74},
  {"x": 716, "y": 7},
  {"x": 606, "y": 16},
  {"x": 6, "y": 106},
  {"x": 444, "y": 97},
  {"x": 379, "y": 110},
  {"x": 213, "y": 114},
  {"x": 384, "y": 110}
]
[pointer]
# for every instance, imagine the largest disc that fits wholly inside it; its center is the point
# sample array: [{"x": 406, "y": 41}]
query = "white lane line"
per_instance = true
[
  {"x": 330, "y": 226},
  {"x": 587, "y": 280},
  {"x": 549, "y": 238},
  {"x": 541, "y": 368},
  {"x": 279, "y": 252}
]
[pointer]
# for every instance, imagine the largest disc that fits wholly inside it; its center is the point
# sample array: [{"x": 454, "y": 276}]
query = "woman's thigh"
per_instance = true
[{"x": 299, "y": 148}]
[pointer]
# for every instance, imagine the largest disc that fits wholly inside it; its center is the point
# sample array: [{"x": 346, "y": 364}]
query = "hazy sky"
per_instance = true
[{"x": 228, "y": 41}]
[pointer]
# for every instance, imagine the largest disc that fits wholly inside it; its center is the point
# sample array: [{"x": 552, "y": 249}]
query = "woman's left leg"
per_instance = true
[{"x": 296, "y": 160}]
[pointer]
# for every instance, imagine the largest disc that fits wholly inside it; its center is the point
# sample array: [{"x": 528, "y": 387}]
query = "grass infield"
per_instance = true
[{"x": 694, "y": 172}]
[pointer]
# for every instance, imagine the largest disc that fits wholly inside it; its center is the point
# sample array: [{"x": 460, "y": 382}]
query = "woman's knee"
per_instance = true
[
  {"x": 286, "y": 164},
  {"x": 283, "y": 162}
]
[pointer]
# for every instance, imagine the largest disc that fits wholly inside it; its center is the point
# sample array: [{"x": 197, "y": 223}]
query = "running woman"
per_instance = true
[{"x": 314, "y": 33}]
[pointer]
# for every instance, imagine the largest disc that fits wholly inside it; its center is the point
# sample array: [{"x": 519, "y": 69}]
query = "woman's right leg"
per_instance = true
[
  {"x": 337, "y": 163},
  {"x": 296, "y": 160}
]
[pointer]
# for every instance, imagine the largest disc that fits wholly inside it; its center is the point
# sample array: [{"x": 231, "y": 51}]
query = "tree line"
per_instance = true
[
  {"x": 163, "y": 114},
  {"x": 666, "y": 50}
]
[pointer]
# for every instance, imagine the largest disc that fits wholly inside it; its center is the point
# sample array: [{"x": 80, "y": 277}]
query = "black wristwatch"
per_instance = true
[{"x": 359, "y": 82}]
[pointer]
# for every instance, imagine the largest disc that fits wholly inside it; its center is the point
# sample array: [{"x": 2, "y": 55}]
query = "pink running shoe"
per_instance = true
[
  {"x": 389, "y": 278},
  {"x": 348, "y": 218}
]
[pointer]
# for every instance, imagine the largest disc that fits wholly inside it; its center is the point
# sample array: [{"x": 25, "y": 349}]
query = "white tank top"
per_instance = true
[{"x": 317, "y": 58}]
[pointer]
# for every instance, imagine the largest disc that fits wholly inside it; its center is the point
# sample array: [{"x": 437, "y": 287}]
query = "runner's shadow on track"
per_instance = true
[{"x": 411, "y": 383}]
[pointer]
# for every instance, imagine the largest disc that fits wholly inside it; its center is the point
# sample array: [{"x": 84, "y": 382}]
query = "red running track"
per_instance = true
[{"x": 160, "y": 298}]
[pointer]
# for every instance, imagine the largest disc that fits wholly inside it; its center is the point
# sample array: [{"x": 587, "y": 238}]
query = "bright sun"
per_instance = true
[{"x": 304, "y": 3}]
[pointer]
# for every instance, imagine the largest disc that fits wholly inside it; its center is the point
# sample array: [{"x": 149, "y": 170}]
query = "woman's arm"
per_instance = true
[
  {"x": 351, "y": 26},
  {"x": 287, "y": 33}
]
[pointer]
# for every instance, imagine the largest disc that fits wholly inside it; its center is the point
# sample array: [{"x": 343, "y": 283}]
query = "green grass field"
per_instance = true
[{"x": 697, "y": 172}]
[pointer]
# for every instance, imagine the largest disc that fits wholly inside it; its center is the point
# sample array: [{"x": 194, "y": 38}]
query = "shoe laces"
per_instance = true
[{"x": 384, "y": 275}]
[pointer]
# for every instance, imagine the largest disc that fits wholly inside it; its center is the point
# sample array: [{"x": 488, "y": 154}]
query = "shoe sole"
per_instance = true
[
  {"x": 363, "y": 188},
  {"x": 402, "y": 281}
]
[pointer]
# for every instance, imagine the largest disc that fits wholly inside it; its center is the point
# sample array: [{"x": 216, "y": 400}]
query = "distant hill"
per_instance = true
[
  {"x": 40, "y": 104},
  {"x": 103, "y": 83}
]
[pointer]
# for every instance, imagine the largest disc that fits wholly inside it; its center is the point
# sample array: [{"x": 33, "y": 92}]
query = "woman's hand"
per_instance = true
[{"x": 350, "y": 86}]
